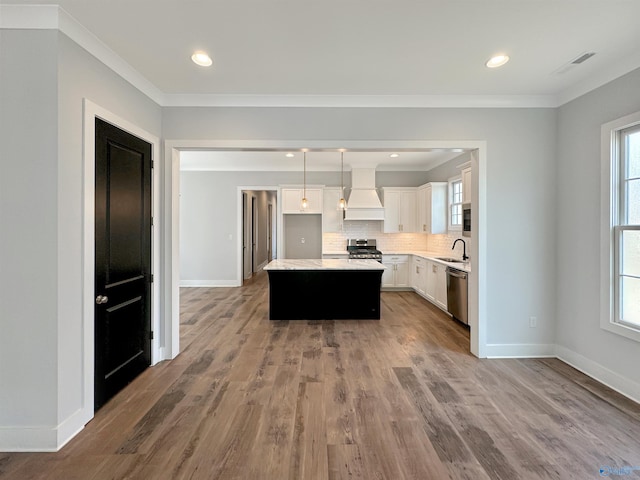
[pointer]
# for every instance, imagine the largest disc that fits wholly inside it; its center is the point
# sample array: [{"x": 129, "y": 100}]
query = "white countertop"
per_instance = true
[
  {"x": 324, "y": 264},
  {"x": 466, "y": 267}
]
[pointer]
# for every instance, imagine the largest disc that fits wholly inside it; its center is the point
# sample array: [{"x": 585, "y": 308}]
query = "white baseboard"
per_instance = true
[
  {"x": 611, "y": 379},
  {"x": 41, "y": 439},
  {"x": 209, "y": 283},
  {"x": 28, "y": 439},
  {"x": 520, "y": 350}
]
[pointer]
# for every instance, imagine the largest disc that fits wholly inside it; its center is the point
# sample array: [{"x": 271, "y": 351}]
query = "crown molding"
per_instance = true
[
  {"x": 362, "y": 101},
  {"x": 53, "y": 17}
]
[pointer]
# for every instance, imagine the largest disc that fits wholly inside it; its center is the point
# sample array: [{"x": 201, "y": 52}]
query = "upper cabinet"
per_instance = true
[
  {"x": 292, "y": 200},
  {"x": 399, "y": 210},
  {"x": 332, "y": 216},
  {"x": 432, "y": 208},
  {"x": 465, "y": 171}
]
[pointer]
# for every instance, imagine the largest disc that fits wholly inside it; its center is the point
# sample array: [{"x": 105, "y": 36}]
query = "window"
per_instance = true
[
  {"x": 455, "y": 204},
  {"x": 621, "y": 227}
]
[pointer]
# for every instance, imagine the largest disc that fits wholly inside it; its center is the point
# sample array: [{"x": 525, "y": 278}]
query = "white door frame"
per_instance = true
[
  {"x": 90, "y": 112},
  {"x": 171, "y": 217}
]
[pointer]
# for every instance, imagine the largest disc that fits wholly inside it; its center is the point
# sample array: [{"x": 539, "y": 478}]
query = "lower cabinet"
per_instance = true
[
  {"x": 396, "y": 275},
  {"x": 436, "y": 288},
  {"x": 426, "y": 277},
  {"x": 419, "y": 275}
]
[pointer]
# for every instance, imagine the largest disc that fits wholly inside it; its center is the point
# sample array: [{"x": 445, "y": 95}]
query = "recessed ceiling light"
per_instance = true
[
  {"x": 497, "y": 61},
  {"x": 290, "y": 155},
  {"x": 394, "y": 155},
  {"x": 201, "y": 58}
]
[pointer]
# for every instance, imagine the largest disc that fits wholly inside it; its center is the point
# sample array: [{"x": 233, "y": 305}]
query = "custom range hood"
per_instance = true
[{"x": 364, "y": 203}]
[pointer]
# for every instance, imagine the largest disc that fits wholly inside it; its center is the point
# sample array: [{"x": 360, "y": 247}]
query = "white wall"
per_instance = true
[
  {"x": 521, "y": 189},
  {"x": 612, "y": 358},
  {"x": 45, "y": 77}
]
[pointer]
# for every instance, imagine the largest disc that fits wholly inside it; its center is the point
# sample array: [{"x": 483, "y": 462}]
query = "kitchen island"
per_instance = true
[{"x": 324, "y": 289}]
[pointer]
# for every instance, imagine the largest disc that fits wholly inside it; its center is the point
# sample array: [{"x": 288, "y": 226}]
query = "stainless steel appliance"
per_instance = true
[
  {"x": 466, "y": 219},
  {"x": 363, "y": 248},
  {"x": 457, "y": 294}
]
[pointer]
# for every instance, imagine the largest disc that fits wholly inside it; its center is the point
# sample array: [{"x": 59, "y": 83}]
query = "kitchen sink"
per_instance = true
[{"x": 450, "y": 260}]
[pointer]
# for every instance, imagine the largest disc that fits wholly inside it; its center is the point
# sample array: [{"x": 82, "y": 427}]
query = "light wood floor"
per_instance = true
[{"x": 398, "y": 398}]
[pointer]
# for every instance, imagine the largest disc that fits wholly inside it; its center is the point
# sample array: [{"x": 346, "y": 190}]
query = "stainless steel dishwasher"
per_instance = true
[{"x": 457, "y": 294}]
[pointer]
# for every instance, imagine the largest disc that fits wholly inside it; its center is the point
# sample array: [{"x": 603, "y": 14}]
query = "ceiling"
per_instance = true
[
  {"x": 367, "y": 52},
  {"x": 317, "y": 161}
]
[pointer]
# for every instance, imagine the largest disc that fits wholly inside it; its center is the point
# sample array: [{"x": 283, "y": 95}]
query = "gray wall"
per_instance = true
[
  {"x": 302, "y": 228},
  {"x": 207, "y": 255},
  {"x": 44, "y": 78},
  {"x": 444, "y": 172},
  {"x": 521, "y": 185},
  {"x": 578, "y": 227},
  {"x": 28, "y": 227}
]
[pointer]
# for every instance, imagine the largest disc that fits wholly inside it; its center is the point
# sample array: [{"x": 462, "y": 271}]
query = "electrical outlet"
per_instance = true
[
  {"x": 302, "y": 240},
  {"x": 533, "y": 322}
]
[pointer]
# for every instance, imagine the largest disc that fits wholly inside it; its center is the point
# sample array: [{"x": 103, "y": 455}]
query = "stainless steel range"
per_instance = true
[{"x": 363, "y": 248}]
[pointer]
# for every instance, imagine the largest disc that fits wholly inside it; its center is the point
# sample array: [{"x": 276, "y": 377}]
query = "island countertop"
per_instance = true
[{"x": 323, "y": 264}]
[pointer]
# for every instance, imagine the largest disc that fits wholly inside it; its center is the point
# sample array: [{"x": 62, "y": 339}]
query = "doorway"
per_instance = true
[
  {"x": 122, "y": 310},
  {"x": 254, "y": 234},
  {"x": 477, "y": 285},
  {"x": 258, "y": 235}
]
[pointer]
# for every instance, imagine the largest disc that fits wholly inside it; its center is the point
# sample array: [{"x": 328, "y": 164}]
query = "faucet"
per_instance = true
[{"x": 464, "y": 248}]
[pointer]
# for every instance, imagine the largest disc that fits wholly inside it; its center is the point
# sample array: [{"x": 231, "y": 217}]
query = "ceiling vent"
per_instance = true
[
  {"x": 582, "y": 58},
  {"x": 573, "y": 63}
]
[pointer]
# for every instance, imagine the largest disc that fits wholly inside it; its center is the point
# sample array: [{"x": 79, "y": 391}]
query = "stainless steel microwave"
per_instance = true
[{"x": 466, "y": 219}]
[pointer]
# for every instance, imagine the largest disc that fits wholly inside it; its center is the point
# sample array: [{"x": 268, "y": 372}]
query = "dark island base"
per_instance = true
[{"x": 324, "y": 294}]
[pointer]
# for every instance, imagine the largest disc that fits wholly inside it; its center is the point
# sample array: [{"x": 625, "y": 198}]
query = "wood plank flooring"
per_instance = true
[{"x": 400, "y": 398}]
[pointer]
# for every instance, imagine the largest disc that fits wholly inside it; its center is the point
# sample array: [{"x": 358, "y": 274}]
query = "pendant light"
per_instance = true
[
  {"x": 342, "y": 204},
  {"x": 305, "y": 202}
]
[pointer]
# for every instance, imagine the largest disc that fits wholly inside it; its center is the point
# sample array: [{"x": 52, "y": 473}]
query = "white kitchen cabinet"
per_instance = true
[
  {"x": 419, "y": 275},
  {"x": 292, "y": 200},
  {"x": 332, "y": 216},
  {"x": 396, "y": 275},
  {"x": 436, "y": 286},
  {"x": 465, "y": 172},
  {"x": 399, "y": 210},
  {"x": 432, "y": 208}
]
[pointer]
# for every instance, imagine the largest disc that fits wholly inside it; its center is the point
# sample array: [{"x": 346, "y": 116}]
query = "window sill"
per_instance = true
[{"x": 620, "y": 329}]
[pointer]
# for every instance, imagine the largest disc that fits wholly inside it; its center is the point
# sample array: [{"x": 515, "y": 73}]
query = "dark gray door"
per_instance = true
[{"x": 122, "y": 259}]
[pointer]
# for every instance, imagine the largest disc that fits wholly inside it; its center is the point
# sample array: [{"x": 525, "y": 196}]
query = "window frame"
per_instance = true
[
  {"x": 611, "y": 227},
  {"x": 450, "y": 203}
]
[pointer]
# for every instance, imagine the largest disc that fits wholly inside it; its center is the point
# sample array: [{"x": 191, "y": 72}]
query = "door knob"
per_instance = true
[{"x": 100, "y": 299}]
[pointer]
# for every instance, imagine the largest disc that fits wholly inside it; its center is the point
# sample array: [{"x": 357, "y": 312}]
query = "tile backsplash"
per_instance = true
[
  {"x": 441, "y": 244},
  {"x": 391, "y": 242}
]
